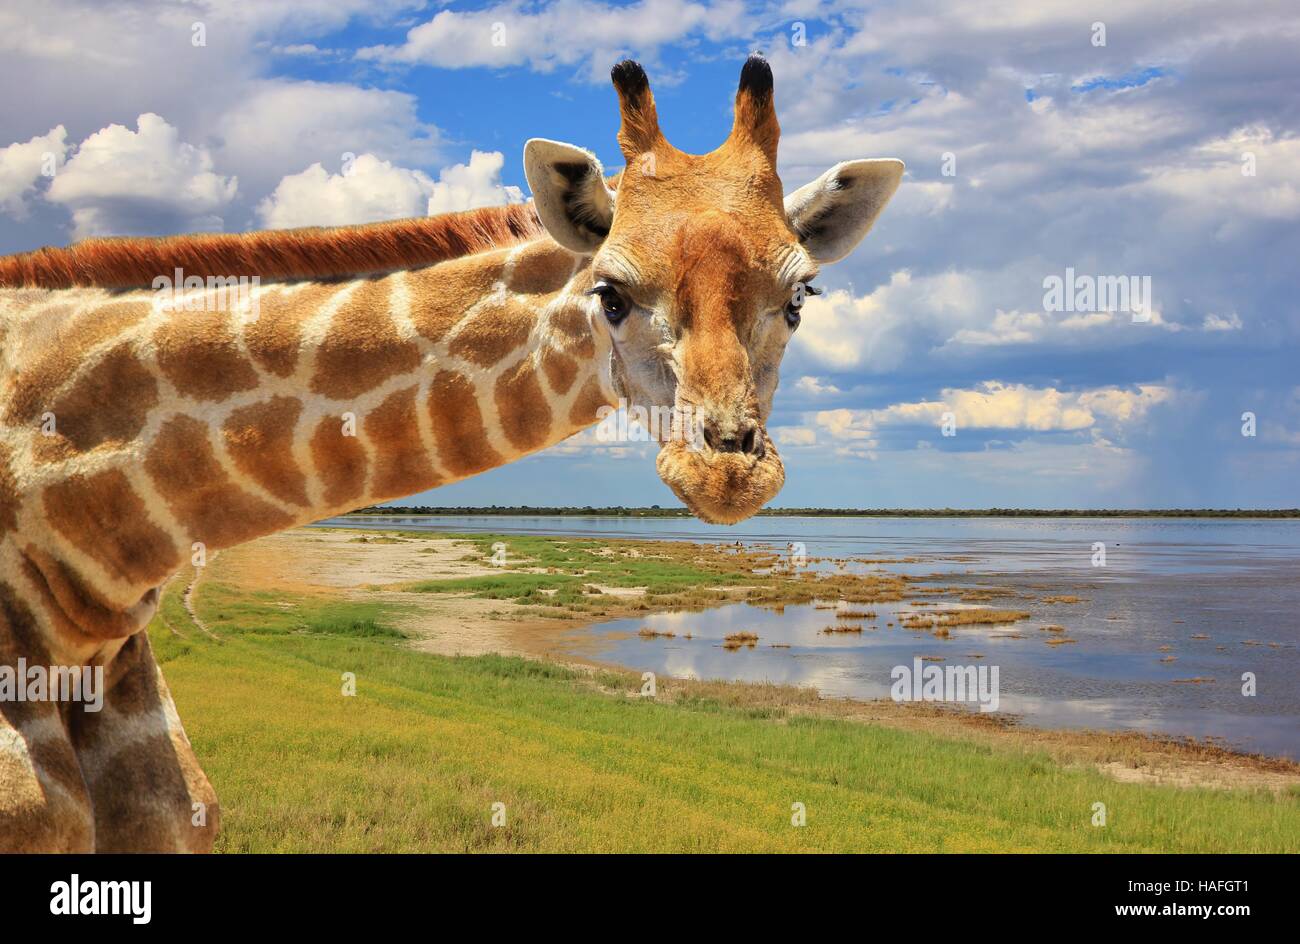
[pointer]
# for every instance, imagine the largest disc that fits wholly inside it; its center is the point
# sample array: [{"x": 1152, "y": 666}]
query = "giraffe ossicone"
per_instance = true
[{"x": 353, "y": 366}]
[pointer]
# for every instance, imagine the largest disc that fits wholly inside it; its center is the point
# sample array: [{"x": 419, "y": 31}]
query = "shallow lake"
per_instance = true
[{"x": 1176, "y": 600}]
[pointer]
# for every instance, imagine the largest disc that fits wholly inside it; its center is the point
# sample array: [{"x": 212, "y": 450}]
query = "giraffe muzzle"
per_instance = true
[{"x": 723, "y": 486}]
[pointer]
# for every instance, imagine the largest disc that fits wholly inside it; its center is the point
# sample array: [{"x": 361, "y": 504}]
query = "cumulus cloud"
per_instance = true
[
  {"x": 147, "y": 181},
  {"x": 283, "y": 126},
  {"x": 843, "y": 331},
  {"x": 472, "y": 185},
  {"x": 559, "y": 34},
  {"x": 1215, "y": 322},
  {"x": 371, "y": 189},
  {"x": 845, "y": 432},
  {"x": 1007, "y": 327},
  {"x": 997, "y": 405},
  {"x": 958, "y": 312},
  {"x": 1125, "y": 159},
  {"x": 593, "y": 442},
  {"x": 23, "y": 164},
  {"x": 1250, "y": 173},
  {"x": 793, "y": 436},
  {"x": 815, "y": 386},
  {"x": 1047, "y": 170}
]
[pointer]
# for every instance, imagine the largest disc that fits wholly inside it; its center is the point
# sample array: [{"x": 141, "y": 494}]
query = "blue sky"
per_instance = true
[{"x": 1170, "y": 151}]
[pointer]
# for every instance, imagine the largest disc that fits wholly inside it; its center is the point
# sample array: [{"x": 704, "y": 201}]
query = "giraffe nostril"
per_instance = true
[{"x": 750, "y": 442}]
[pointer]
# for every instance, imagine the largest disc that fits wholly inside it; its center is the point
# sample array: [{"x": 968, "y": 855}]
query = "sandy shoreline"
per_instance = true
[{"x": 373, "y": 566}]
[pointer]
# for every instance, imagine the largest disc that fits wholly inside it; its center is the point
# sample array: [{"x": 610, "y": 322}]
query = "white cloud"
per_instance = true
[
  {"x": 996, "y": 405},
  {"x": 1215, "y": 322},
  {"x": 476, "y": 184},
  {"x": 123, "y": 182},
  {"x": 1250, "y": 173},
  {"x": 1007, "y": 327},
  {"x": 848, "y": 433},
  {"x": 557, "y": 34},
  {"x": 373, "y": 190},
  {"x": 815, "y": 386},
  {"x": 952, "y": 312},
  {"x": 924, "y": 197},
  {"x": 590, "y": 442},
  {"x": 1125, "y": 406},
  {"x": 282, "y": 126},
  {"x": 304, "y": 50},
  {"x": 370, "y": 191},
  {"x": 842, "y": 331},
  {"x": 23, "y": 163},
  {"x": 791, "y": 436},
  {"x": 302, "y": 16}
]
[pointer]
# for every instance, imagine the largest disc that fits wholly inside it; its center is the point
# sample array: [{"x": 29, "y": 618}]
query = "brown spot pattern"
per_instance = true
[
  {"x": 491, "y": 335},
  {"x": 441, "y": 296},
  {"x": 208, "y": 504},
  {"x": 340, "y": 462},
  {"x": 401, "y": 464},
  {"x": 107, "y": 407},
  {"x": 571, "y": 330},
  {"x": 75, "y": 607},
  {"x": 9, "y": 497},
  {"x": 259, "y": 439},
  {"x": 585, "y": 406},
  {"x": 142, "y": 793},
  {"x": 43, "y": 821},
  {"x": 60, "y": 357},
  {"x": 463, "y": 447},
  {"x": 522, "y": 408},
  {"x": 274, "y": 339},
  {"x": 560, "y": 369},
  {"x": 362, "y": 348},
  {"x": 102, "y": 516},
  {"x": 541, "y": 268},
  {"x": 198, "y": 353}
]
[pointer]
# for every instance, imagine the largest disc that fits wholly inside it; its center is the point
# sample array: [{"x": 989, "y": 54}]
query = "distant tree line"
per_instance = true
[{"x": 655, "y": 511}]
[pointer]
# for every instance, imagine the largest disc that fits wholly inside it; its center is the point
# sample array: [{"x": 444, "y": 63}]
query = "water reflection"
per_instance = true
[
  {"x": 1178, "y": 599},
  {"x": 1110, "y": 677}
]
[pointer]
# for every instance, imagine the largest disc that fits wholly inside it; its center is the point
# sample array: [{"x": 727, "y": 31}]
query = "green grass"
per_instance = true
[
  {"x": 428, "y": 744},
  {"x": 570, "y": 565},
  {"x": 228, "y": 610}
]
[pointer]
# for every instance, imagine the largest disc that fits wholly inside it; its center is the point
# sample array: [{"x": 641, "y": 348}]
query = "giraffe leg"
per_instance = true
[
  {"x": 147, "y": 789},
  {"x": 44, "y": 805}
]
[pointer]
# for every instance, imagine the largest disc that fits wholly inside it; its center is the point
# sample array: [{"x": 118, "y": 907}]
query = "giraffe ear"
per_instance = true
[
  {"x": 832, "y": 214},
  {"x": 573, "y": 201}
]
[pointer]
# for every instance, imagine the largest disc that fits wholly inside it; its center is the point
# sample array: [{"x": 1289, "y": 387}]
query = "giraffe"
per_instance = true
[{"x": 368, "y": 363}]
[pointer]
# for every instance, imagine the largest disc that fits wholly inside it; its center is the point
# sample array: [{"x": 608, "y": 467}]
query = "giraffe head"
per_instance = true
[{"x": 701, "y": 264}]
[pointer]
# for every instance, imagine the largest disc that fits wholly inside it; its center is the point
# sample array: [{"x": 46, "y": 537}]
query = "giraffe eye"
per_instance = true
[
  {"x": 794, "y": 307},
  {"x": 793, "y": 314},
  {"x": 613, "y": 304}
]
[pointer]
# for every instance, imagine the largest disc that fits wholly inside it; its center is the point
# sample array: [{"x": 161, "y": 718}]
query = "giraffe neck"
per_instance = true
[{"x": 135, "y": 440}]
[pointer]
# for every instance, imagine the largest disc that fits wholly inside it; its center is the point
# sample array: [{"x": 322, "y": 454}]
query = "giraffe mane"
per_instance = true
[{"x": 126, "y": 262}]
